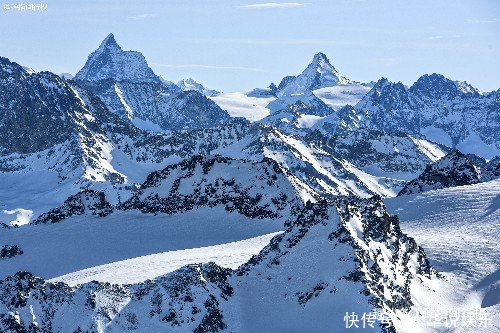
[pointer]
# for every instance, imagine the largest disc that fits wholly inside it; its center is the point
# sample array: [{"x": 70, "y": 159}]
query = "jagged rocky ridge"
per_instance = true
[
  {"x": 86, "y": 202},
  {"x": 53, "y": 124},
  {"x": 129, "y": 88},
  {"x": 254, "y": 189},
  {"x": 448, "y": 112},
  {"x": 104, "y": 152},
  {"x": 10, "y": 251},
  {"x": 454, "y": 169},
  {"x": 350, "y": 253},
  {"x": 491, "y": 170}
]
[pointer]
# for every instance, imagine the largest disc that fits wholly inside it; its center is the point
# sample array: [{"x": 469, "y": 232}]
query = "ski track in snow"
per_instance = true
[{"x": 459, "y": 228}]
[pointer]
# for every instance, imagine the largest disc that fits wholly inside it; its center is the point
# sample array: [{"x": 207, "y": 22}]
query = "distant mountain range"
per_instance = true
[{"x": 312, "y": 156}]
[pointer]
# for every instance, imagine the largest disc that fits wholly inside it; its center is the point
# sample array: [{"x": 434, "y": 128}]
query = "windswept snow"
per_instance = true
[
  {"x": 459, "y": 229},
  {"x": 78, "y": 243},
  {"x": 135, "y": 270}
]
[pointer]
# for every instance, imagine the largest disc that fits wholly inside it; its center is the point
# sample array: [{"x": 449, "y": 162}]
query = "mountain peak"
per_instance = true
[
  {"x": 319, "y": 74},
  {"x": 109, "y": 41},
  {"x": 109, "y": 61},
  {"x": 438, "y": 86},
  {"x": 320, "y": 59},
  {"x": 190, "y": 84}
]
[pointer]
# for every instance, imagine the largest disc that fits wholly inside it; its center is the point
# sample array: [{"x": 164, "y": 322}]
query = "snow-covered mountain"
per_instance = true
[
  {"x": 119, "y": 176},
  {"x": 454, "y": 169},
  {"x": 96, "y": 148},
  {"x": 319, "y": 74},
  {"x": 129, "y": 88},
  {"x": 351, "y": 254},
  {"x": 59, "y": 137},
  {"x": 320, "y": 87},
  {"x": 190, "y": 84},
  {"x": 445, "y": 111},
  {"x": 491, "y": 170},
  {"x": 109, "y": 61},
  {"x": 238, "y": 185}
]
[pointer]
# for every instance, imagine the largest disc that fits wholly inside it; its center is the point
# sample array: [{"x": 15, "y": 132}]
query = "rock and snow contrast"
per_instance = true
[
  {"x": 109, "y": 61},
  {"x": 129, "y": 203},
  {"x": 459, "y": 229},
  {"x": 190, "y": 84},
  {"x": 319, "y": 84},
  {"x": 445, "y": 111},
  {"x": 130, "y": 89},
  {"x": 454, "y": 169}
]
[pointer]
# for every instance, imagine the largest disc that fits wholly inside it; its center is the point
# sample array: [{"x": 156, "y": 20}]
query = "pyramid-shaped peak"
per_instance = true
[
  {"x": 320, "y": 57},
  {"x": 109, "y": 41},
  {"x": 190, "y": 84},
  {"x": 318, "y": 74},
  {"x": 109, "y": 61}
]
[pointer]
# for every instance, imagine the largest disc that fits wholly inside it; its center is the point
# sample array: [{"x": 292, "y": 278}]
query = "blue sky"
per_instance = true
[{"x": 238, "y": 45}]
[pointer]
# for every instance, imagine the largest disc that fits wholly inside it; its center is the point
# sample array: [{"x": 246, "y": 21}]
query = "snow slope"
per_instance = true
[
  {"x": 135, "y": 270},
  {"x": 86, "y": 241},
  {"x": 459, "y": 229},
  {"x": 239, "y": 104},
  {"x": 339, "y": 96},
  {"x": 334, "y": 258}
]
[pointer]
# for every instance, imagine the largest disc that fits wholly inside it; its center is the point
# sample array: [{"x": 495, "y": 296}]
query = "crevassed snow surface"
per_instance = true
[
  {"x": 139, "y": 269},
  {"x": 82, "y": 242},
  {"x": 459, "y": 228}
]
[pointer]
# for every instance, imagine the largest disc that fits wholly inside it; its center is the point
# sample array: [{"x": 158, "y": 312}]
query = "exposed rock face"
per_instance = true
[
  {"x": 187, "y": 300},
  {"x": 455, "y": 169},
  {"x": 34, "y": 109},
  {"x": 351, "y": 251},
  {"x": 445, "y": 111},
  {"x": 129, "y": 88},
  {"x": 10, "y": 251},
  {"x": 109, "y": 61},
  {"x": 254, "y": 189},
  {"x": 87, "y": 202},
  {"x": 491, "y": 170}
]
